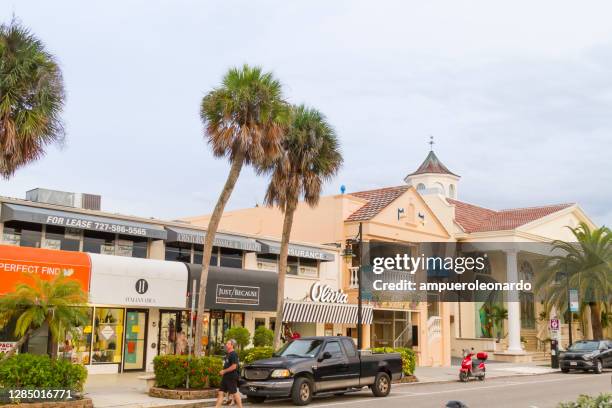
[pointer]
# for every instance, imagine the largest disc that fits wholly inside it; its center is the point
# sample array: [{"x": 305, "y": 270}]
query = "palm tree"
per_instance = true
[
  {"x": 31, "y": 98},
  {"x": 499, "y": 314},
  {"x": 59, "y": 303},
  {"x": 310, "y": 156},
  {"x": 244, "y": 121},
  {"x": 587, "y": 266}
]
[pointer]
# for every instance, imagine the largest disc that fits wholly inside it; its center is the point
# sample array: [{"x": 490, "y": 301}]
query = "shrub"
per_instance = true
[
  {"x": 240, "y": 334},
  {"x": 256, "y": 353},
  {"x": 263, "y": 337},
  {"x": 34, "y": 371},
  {"x": 585, "y": 401},
  {"x": 408, "y": 357},
  {"x": 172, "y": 371}
]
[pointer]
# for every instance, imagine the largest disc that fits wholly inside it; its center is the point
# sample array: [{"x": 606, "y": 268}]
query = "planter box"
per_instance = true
[
  {"x": 183, "y": 394},
  {"x": 81, "y": 403}
]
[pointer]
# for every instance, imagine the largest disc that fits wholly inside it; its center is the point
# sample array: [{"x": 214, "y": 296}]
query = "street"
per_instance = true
[{"x": 529, "y": 392}]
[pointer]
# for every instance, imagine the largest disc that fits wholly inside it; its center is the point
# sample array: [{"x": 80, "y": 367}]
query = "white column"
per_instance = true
[{"x": 514, "y": 307}]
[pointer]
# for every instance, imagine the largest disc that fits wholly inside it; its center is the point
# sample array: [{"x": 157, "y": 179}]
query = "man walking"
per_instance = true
[{"x": 230, "y": 375}]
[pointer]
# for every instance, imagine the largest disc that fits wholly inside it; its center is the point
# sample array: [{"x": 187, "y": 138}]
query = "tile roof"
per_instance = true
[
  {"x": 377, "y": 200},
  {"x": 432, "y": 164},
  {"x": 478, "y": 219}
]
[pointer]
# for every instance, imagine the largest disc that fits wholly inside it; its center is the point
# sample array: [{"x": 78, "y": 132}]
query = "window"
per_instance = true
[
  {"x": 135, "y": 247},
  {"x": 349, "y": 347},
  {"x": 179, "y": 252},
  {"x": 333, "y": 348},
  {"x": 233, "y": 320},
  {"x": 420, "y": 187},
  {"x": 441, "y": 188},
  {"x": 451, "y": 191},
  {"x": 308, "y": 267},
  {"x": 58, "y": 238},
  {"x": 76, "y": 345},
  {"x": 108, "y": 335},
  {"x": 23, "y": 234},
  {"x": 259, "y": 321},
  {"x": 230, "y": 258},
  {"x": 99, "y": 242},
  {"x": 272, "y": 321},
  {"x": 292, "y": 265},
  {"x": 295, "y": 266},
  {"x": 267, "y": 262}
]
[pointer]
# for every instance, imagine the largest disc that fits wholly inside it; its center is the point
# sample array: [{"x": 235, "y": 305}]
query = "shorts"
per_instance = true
[{"x": 229, "y": 384}]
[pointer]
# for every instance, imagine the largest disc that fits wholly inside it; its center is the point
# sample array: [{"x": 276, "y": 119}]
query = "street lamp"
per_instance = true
[{"x": 348, "y": 254}]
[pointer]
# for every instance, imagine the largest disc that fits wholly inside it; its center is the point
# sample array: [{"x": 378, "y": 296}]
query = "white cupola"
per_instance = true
[{"x": 432, "y": 177}]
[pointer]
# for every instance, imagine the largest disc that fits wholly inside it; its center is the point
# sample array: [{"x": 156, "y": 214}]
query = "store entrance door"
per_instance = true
[
  {"x": 135, "y": 345},
  {"x": 217, "y": 329}
]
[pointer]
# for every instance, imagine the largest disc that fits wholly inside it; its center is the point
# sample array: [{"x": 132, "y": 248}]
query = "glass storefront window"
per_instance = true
[
  {"x": 135, "y": 247},
  {"x": 99, "y": 242},
  {"x": 23, "y": 234},
  {"x": 58, "y": 238},
  {"x": 292, "y": 265},
  {"x": 76, "y": 344},
  {"x": 308, "y": 267},
  {"x": 108, "y": 335},
  {"x": 392, "y": 329},
  {"x": 295, "y": 266},
  {"x": 267, "y": 262},
  {"x": 178, "y": 252},
  {"x": 230, "y": 258}
]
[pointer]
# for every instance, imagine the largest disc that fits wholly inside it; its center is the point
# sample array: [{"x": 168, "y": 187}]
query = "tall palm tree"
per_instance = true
[
  {"x": 310, "y": 156},
  {"x": 244, "y": 121},
  {"x": 59, "y": 303},
  {"x": 31, "y": 98},
  {"x": 587, "y": 266}
]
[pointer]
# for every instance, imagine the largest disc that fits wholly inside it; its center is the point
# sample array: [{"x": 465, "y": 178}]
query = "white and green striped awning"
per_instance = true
[{"x": 313, "y": 312}]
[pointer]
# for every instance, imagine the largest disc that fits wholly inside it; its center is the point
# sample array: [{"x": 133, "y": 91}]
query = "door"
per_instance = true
[
  {"x": 169, "y": 326},
  {"x": 332, "y": 372},
  {"x": 216, "y": 330},
  {"x": 134, "y": 349}
]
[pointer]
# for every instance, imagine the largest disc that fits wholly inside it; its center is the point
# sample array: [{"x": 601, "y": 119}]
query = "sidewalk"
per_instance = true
[{"x": 127, "y": 391}]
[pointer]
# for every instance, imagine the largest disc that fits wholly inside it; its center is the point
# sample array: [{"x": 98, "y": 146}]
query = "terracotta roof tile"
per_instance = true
[
  {"x": 478, "y": 219},
  {"x": 377, "y": 201}
]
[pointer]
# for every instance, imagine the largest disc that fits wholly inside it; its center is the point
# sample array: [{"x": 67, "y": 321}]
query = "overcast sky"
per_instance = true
[{"x": 518, "y": 97}]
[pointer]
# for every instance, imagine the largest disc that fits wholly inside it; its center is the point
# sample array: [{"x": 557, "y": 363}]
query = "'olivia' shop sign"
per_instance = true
[{"x": 325, "y": 294}]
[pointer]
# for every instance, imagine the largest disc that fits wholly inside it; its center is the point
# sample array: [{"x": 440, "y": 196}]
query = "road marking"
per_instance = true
[{"x": 470, "y": 389}]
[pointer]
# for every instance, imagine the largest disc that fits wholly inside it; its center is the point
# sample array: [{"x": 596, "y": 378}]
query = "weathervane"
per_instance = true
[{"x": 431, "y": 142}]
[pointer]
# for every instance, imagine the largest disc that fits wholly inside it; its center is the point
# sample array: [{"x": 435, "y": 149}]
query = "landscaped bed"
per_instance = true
[{"x": 172, "y": 372}]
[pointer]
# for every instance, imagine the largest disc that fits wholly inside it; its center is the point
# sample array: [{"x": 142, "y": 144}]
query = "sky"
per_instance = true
[{"x": 518, "y": 95}]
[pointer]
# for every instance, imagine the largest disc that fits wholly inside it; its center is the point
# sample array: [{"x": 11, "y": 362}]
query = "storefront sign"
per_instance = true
[
  {"x": 122, "y": 281},
  {"x": 39, "y": 215},
  {"x": 268, "y": 247},
  {"x": 573, "y": 299},
  {"x": 20, "y": 264},
  {"x": 6, "y": 346},
  {"x": 221, "y": 240},
  {"x": 237, "y": 295},
  {"x": 325, "y": 294}
]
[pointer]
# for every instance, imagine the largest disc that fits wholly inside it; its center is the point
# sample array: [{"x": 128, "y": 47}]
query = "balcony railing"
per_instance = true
[{"x": 353, "y": 277}]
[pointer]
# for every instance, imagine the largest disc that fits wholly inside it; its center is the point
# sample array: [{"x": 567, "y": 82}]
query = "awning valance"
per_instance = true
[
  {"x": 191, "y": 236},
  {"x": 301, "y": 251},
  {"x": 314, "y": 312},
  {"x": 17, "y": 212}
]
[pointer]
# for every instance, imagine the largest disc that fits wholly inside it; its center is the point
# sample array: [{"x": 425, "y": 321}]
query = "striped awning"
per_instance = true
[{"x": 313, "y": 312}]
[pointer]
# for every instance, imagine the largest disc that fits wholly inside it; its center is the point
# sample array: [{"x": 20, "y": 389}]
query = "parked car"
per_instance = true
[
  {"x": 587, "y": 355},
  {"x": 312, "y": 366}
]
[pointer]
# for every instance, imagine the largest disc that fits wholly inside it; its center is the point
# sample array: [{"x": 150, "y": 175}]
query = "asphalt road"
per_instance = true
[{"x": 528, "y": 391}]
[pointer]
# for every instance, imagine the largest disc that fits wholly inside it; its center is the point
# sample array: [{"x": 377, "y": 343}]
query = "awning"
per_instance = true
[
  {"x": 314, "y": 312},
  {"x": 301, "y": 251},
  {"x": 124, "y": 281},
  {"x": 190, "y": 236},
  {"x": 235, "y": 289},
  {"x": 17, "y": 212}
]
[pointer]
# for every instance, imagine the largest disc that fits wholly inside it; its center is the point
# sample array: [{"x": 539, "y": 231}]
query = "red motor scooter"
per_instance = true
[{"x": 471, "y": 368}]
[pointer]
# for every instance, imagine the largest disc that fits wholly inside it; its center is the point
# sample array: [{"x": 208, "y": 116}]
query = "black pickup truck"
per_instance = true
[{"x": 319, "y": 365}]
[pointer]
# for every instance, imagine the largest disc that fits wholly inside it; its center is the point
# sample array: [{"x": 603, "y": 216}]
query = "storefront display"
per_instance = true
[{"x": 108, "y": 335}]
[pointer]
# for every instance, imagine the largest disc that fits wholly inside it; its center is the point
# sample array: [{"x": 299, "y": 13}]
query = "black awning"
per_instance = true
[
  {"x": 301, "y": 251},
  {"x": 191, "y": 236},
  {"x": 37, "y": 215},
  {"x": 235, "y": 289}
]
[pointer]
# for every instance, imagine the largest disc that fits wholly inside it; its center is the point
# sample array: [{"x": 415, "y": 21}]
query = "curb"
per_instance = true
[{"x": 487, "y": 379}]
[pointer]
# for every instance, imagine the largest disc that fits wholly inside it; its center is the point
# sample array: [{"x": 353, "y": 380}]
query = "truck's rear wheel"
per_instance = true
[
  {"x": 382, "y": 385},
  {"x": 301, "y": 393}
]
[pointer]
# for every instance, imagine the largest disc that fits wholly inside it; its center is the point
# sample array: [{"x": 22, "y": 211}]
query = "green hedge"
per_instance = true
[
  {"x": 408, "y": 357},
  {"x": 255, "y": 353},
  {"x": 585, "y": 401},
  {"x": 171, "y": 371},
  {"x": 263, "y": 337},
  {"x": 40, "y": 371}
]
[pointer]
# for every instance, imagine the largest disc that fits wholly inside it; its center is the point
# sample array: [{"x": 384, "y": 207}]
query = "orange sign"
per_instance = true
[{"x": 19, "y": 264}]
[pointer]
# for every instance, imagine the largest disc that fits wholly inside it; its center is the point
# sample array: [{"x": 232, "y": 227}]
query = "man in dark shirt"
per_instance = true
[{"x": 230, "y": 375}]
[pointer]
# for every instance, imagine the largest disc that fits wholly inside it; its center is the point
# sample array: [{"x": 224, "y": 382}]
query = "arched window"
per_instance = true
[
  {"x": 451, "y": 191},
  {"x": 420, "y": 187},
  {"x": 440, "y": 187}
]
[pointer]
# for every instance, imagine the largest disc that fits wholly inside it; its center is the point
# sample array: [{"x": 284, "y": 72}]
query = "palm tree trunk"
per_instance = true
[
  {"x": 213, "y": 225},
  {"x": 282, "y": 272},
  {"x": 18, "y": 344},
  {"x": 596, "y": 320}
]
